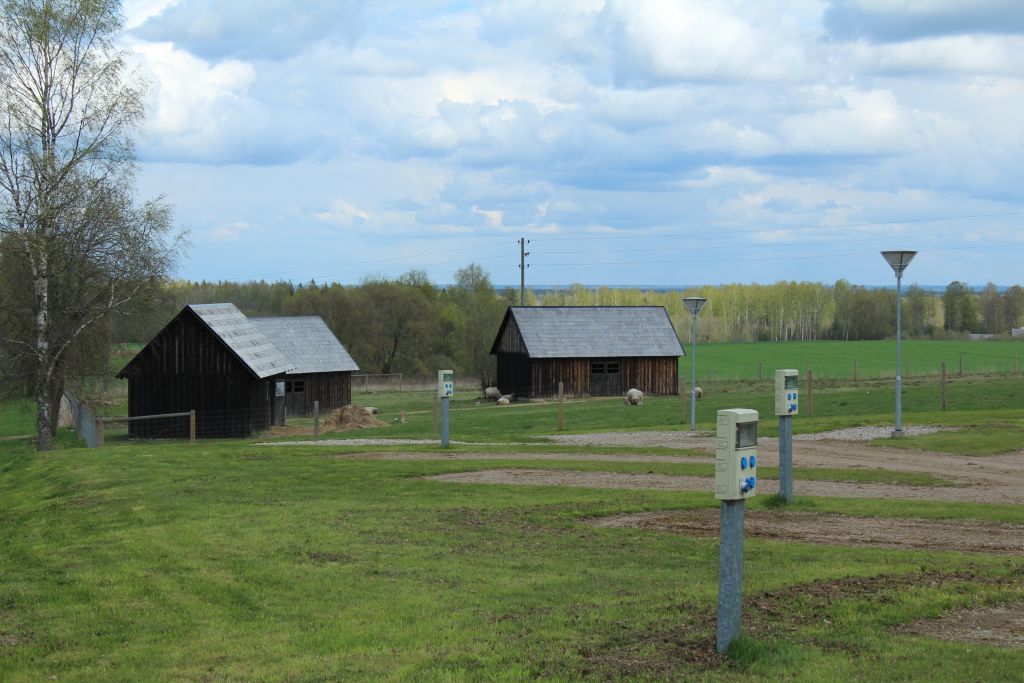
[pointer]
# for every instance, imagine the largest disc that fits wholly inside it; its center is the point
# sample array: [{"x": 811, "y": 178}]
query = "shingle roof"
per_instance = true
[
  {"x": 596, "y": 331},
  {"x": 238, "y": 333},
  {"x": 307, "y": 342}
]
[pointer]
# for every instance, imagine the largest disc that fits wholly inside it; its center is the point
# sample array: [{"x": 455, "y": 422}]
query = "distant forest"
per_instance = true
[{"x": 414, "y": 326}]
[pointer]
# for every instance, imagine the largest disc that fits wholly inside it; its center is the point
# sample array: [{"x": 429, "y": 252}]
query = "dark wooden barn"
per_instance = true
[
  {"x": 323, "y": 368},
  {"x": 593, "y": 350},
  {"x": 212, "y": 359}
]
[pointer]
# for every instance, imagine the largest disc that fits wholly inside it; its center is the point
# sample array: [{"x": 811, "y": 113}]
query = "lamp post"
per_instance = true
[
  {"x": 898, "y": 260},
  {"x": 693, "y": 305}
]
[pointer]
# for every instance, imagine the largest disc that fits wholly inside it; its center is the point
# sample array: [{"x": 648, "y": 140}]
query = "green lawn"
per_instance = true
[
  {"x": 836, "y": 359},
  {"x": 225, "y": 561}
]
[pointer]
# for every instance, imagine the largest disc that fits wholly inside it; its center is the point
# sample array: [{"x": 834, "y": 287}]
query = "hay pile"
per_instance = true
[{"x": 350, "y": 417}]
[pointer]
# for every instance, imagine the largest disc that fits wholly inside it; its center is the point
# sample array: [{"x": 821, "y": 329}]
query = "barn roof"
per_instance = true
[
  {"x": 307, "y": 342},
  {"x": 593, "y": 331},
  {"x": 250, "y": 345}
]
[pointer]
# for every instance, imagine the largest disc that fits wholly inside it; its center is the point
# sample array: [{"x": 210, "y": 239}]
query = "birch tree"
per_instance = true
[{"x": 68, "y": 216}]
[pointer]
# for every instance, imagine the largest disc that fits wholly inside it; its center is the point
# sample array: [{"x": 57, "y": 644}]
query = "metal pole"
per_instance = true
[
  {"x": 786, "y": 457},
  {"x": 730, "y": 573},
  {"x": 693, "y": 375},
  {"x": 522, "y": 271},
  {"x": 444, "y": 421},
  {"x": 898, "y": 433},
  {"x": 316, "y": 419}
]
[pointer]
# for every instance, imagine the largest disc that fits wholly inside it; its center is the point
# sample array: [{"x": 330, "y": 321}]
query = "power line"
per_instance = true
[{"x": 778, "y": 228}]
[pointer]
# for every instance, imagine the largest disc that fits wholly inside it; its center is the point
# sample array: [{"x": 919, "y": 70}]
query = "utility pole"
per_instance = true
[{"x": 522, "y": 269}]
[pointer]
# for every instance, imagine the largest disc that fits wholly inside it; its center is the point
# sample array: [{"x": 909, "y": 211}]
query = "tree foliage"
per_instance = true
[{"x": 69, "y": 225}]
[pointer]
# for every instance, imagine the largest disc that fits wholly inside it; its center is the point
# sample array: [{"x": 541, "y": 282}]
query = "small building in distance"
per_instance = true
[
  {"x": 593, "y": 350},
  {"x": 212, "y": 359},
  {"x": 323, "y": 368}
]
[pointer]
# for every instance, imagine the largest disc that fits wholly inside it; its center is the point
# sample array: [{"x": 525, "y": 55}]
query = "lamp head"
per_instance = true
[
  {"x": 694, "y": 304},
  {"x": 899, "y": 260}
]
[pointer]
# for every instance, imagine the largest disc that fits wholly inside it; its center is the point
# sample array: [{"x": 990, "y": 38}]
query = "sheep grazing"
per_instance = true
[
  {"x": 370, "y": 410},
  {"x": 503, "y": 401},
  {"x": 698, "y": 393},
  {"x": 633, "y": 397},
  {"x": 492, "y": 393}
]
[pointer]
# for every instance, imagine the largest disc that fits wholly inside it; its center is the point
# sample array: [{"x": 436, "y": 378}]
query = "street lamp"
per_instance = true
[
  {"x": 899, "y": 260},
  {"x": 693, "y": 305}
]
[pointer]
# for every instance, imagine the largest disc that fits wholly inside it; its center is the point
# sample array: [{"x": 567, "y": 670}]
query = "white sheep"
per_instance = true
[
  {"x": 492, "y": 393},
  {"x": 633, "y": 397},
  {"x": 698, "y": 393},
  {"x": 503, "y": 401}
]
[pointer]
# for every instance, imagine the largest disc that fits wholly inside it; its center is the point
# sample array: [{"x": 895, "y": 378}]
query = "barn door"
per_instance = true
[{"x": 604, "y": 378}]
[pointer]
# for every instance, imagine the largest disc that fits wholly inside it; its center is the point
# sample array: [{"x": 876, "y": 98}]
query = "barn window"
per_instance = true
[
  {"x": 612, "y": 368},
  {"x": 295, "y": 386},
  {"x": 597, "y": 368}
]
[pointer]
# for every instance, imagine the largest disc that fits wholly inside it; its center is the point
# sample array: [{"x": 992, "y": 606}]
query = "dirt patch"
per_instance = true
[
  {"x": 808, "y": 527},
  {"x": 666, "y": 482},
  {"x": 350, "y": 417},
  {"x": 1003, "y": 626},
  {"x": 328, "y": 558}
]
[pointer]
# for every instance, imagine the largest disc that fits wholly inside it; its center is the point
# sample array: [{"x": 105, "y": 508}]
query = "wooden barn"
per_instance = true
[
  {"x": 212, "y": 359},
  {"x": 323, "y": 368},
  {"x": 593, "y": 350}
]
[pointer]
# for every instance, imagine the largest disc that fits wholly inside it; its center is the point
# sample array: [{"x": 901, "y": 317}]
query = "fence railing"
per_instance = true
[{"x": 85, "y": 421}]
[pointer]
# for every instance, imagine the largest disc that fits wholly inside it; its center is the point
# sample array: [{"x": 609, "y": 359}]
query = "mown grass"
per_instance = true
[{"x": 227, "y": 561}]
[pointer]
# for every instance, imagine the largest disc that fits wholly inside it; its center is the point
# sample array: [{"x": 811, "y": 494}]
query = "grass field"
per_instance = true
[
  {"x": 225, "y": 562},
  {"x": 837, "y": 359}
]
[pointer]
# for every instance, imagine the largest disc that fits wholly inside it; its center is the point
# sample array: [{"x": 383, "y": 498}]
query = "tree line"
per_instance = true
[{"x": 411, "y": 325}]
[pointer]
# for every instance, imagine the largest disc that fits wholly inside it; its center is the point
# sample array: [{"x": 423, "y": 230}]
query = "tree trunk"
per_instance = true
[{"x": 44, "y": 366}]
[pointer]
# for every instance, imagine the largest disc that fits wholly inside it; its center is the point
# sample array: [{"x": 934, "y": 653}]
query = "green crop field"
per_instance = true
[{"x": 839, "y": 360}]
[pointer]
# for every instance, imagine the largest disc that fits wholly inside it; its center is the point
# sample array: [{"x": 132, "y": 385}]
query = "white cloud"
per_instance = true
[{"x": 343, "y": 213}]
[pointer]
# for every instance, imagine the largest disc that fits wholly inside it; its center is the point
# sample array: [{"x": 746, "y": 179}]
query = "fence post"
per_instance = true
[
  {"x": 682, "y": 402},
  {"x": 316, "y": 419},
  {"x": 810, "y": 393},
  {"x": 99, "y": 432},
  {"x": 192, "y": 426},
  {"x": 942, "y": 393},
  {"x": 401, "y": 382},
  {"x": 401, "y": 417},
  {"x": 561, "y": 405}
]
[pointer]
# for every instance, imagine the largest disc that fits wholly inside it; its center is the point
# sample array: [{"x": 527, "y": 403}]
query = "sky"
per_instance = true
[{"x": 633, "y": 142}]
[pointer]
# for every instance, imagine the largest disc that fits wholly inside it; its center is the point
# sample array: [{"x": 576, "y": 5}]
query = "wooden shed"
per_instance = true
[
  {"x": 237, "y": 373},
  {"x": 593, "y": 350},
  {"x": 210, "y": 358},
  {"x": 323, "y": 368}
]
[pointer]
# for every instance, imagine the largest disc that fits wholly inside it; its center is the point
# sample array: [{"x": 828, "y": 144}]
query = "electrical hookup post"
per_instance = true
[
  {"x": 445, "y": 391},
  {"x": 735, "y": 481},
  {"x": 787, "y": 404}
]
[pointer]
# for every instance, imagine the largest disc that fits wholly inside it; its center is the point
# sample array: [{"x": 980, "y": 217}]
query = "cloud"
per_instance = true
[
  {"x": 883, "y": 21},
  {"x": 269, "y": 29},
  {"x": 206, "y": 112},
  {"x": 664, "y": 41},
  {"x": 344, "y": 214}
]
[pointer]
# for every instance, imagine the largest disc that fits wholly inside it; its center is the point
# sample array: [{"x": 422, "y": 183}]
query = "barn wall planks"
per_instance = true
[{"x": 332, "y": 389}]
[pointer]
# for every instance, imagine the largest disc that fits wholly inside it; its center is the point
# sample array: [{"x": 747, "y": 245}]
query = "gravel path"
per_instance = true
[{"x": 702, "y": 439}]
